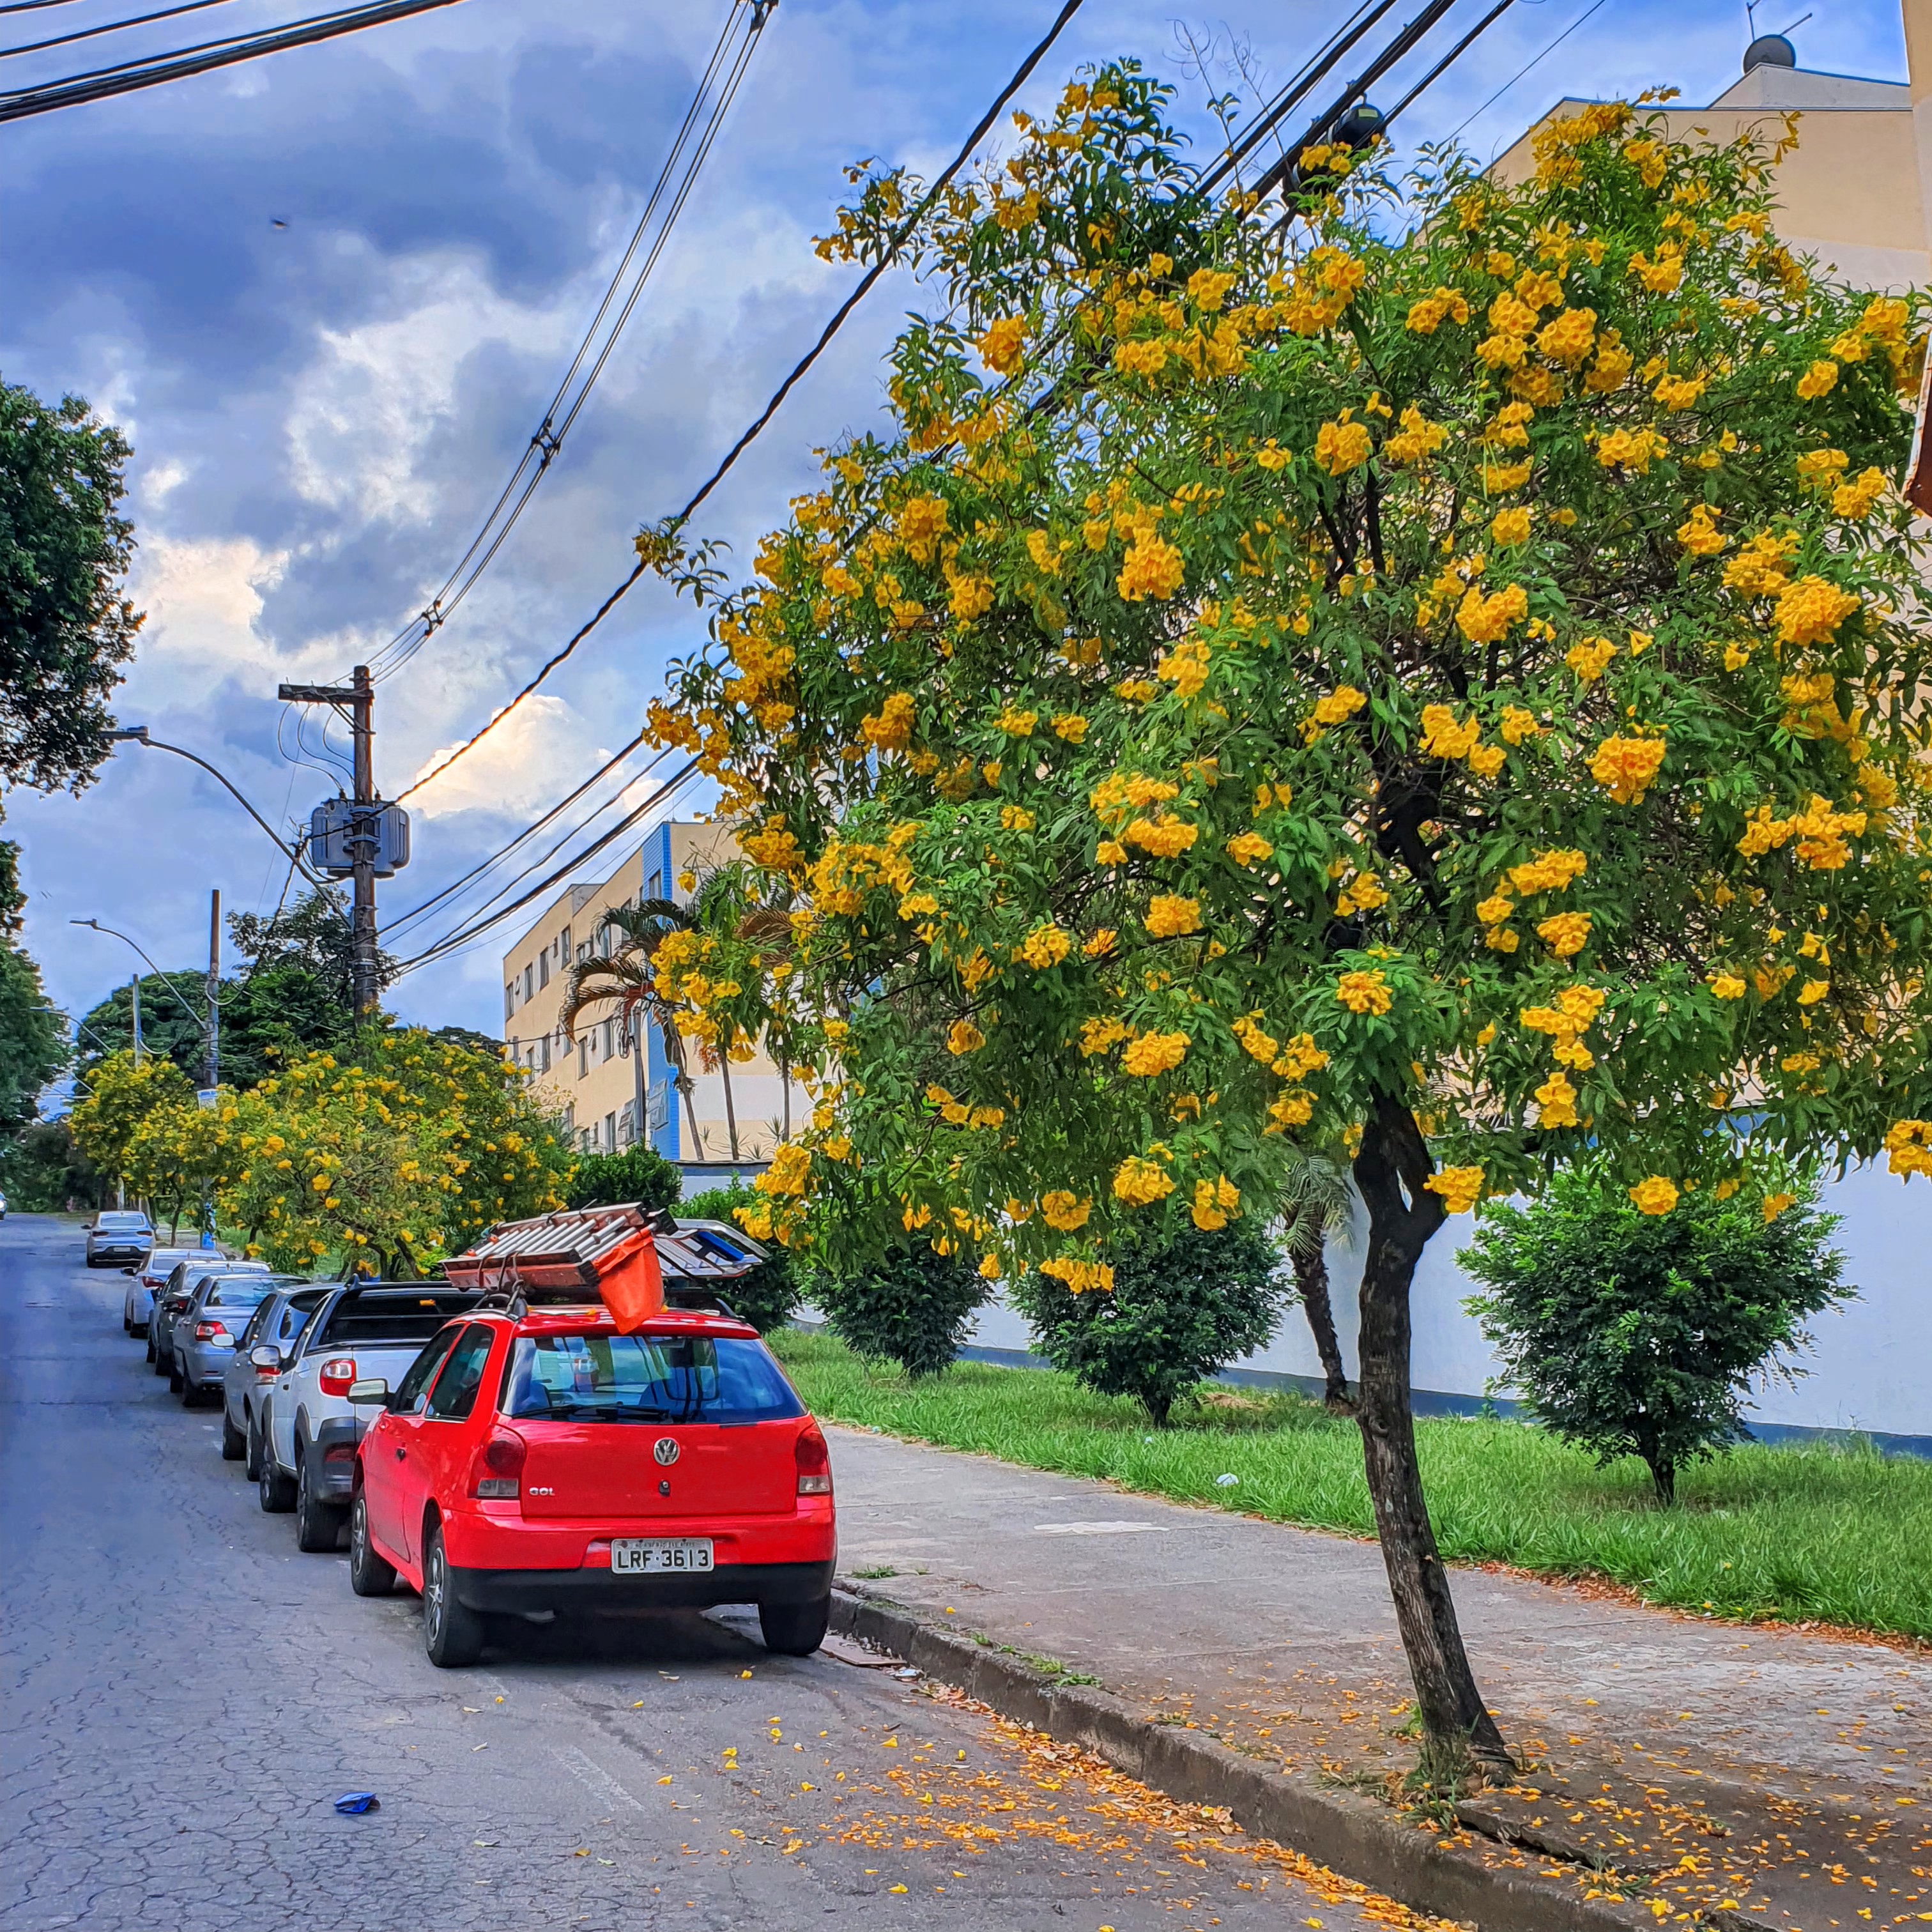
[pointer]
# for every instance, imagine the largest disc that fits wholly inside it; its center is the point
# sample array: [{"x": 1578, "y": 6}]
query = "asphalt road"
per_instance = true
[{"x": 183, "y": 1695}]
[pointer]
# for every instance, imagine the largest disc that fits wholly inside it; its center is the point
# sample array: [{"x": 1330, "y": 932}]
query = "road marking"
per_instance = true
[
  {"x": 593, "y": 1777},
  {"x": 1093, "y": 1528}
]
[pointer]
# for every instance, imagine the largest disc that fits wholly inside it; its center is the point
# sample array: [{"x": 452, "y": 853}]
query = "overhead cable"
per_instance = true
[
  {"x": 110, "y": 27},
  {"x": 1525, "y": 68},
  {"x": 126, "y": 76},
  {"x": 866, "y": 283},
  {"x": 689, "y": 149}
]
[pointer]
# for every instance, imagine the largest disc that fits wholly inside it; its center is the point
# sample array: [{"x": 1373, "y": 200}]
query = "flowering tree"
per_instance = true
[
  {"x": 121, "y": 1093},
  {"x": 391, "y": 1159},
  {"x": 1452, "y": 697}
]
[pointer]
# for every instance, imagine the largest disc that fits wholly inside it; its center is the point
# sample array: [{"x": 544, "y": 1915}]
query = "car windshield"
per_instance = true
[{"x": 604, "y": 1378}]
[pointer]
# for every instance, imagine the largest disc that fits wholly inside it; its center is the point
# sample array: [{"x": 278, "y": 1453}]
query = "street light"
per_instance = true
[{"x": 137, "y": 734}]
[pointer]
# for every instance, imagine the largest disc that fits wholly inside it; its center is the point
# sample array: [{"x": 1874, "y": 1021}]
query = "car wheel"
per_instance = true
[
  {"x": 155, "y": 1358},
  {"x": 277, "y": 1492},
  {"x": 452, "y": 1633},
  {"x": 251, "y": 1461},
  {"x": 318, "y": 1522},
  {"x": 175, "y": 1384},
  {"x": 795, "y": 1630},
  {"x": 369, "y": 1575},
  {"x": 234, "y": 1444}
]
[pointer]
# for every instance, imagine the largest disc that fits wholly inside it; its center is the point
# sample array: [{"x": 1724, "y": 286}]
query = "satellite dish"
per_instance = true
[{"x": 1770, "y": 50}]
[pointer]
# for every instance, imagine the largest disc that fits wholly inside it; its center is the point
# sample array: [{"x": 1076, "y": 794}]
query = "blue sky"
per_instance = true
[{"x": 321, "y": 411}]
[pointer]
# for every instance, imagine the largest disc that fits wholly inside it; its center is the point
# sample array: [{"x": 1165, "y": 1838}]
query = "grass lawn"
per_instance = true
[{"x": 1788, "y": 1534}]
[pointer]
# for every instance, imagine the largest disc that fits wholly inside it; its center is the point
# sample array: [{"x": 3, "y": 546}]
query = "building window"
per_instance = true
[
  {"x": 530, "y": 982},
  {"x": 570, "y": 1118},
  {"x": 627, "y": 1124},
  {"x": 610, "y": 1038},
  {"x": 563, "y": 947},
  {"x": 654, "y": 886},
  {"x": 610, "y": 1132},
  {"x": 543, "y": 969},
  {"x": 544, "y": 1046},
  {"x": 584, "y": 1056},
  {"x": 624, "y": 1040},
  {"x": 509, "y": 999}
]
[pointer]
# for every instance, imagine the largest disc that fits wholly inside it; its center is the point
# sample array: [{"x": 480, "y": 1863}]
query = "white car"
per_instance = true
[
  {"x": 138, "y": 1303},
  {"x": 309, "y": 1429}
]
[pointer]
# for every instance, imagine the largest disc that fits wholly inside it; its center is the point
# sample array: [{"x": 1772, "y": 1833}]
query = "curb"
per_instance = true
[{"x": 1353, "y": 1835}]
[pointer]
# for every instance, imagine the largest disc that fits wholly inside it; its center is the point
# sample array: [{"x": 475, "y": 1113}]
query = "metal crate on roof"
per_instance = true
[{"x": 577, "y": 1248}]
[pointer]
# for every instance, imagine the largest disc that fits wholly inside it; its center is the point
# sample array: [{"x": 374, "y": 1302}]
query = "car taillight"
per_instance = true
[
  {"x": 337, "y": 1373},
  {"x": 206, "y": 1331},
  {"x": 498, "y": 1471},
  {"x": 814, "y": 1461}
]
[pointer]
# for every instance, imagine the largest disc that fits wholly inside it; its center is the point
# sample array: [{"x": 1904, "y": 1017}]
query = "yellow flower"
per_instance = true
[
  {"x": 1340, "y": 705},
  {"x": 1097, "y": 1035},
  {"x": 1064, "y": 1210},
  {"x": 1047, "y": 945},
  {"x": 1519, "y": 724},
  {"x": 1207, "y": 288},
  {"x": 1171, "y": 917},
  {"x": 1565, "y": 934},
  {"x": 1340, "y": 447},
  {"x": 1556, "y": 1103},
  {"x": 1101, "y": 943},
  {"x": 1164, "y": 836},
  {"x": 1775, "y": 1204},
  {"x": 1626, "y": 767},
  {"x": 1364, "y": 992},
  {"x": 1655, "y": 1195},
  {"x": 1016, "y": 818},
  {"x": 989, "y": 1266},
  {"x": 1001, "y": 344},
  {"x": 1699, "y": 535},
  {"x": 1569, "y": 338},
  {"x": 1017, "y": 724},
  {"x": 1153, "y": 1053},
  {"x": 1214, "y": 1201},
  {"x": 1460, "y": 1187},
  {"x": 1811, "y": 610},
  {"x": 1152, "y": 568},
  {"x": 1812, "y": 992},
  {"x": 964, "y": 1037},
  {"x": 1291, "y": 1110},
  {"x": 1727, "y": 986},
  {"x": 1078, "y": 1275},
  {"x": 1249, "y": 848},
  {"x": 1139, "y": 1182},
  {"x": 1483, "y": 620},
  {"x": 1549, "y": 871},
  {"x": 1818, "y": 380},
  {"x": 1908, "y": 1146},
  {"x": 1511, "y": 527},
  {"x": 1071, "y": 726},
  {"x": 1590, "y": 659},
  {"x": 1110, "y": 852},
  {"x": 1494, "y": 910},
  {"x": 1442, "y": 737}
]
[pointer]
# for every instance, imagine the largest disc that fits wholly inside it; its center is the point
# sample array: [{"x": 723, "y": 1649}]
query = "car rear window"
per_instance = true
[
  {"x": 120, "y": 1224},
  {"x": 248, "y": 1290},
  {"x": 606, "y": 1377},
  {"x": 373, "y": 1319}
]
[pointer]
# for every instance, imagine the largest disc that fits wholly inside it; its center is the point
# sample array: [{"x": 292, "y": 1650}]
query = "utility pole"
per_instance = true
[
  {"x": 368, "y": 852},
  {"x": 214, "y": 1069},
  {"x": 134, "y": 993}
]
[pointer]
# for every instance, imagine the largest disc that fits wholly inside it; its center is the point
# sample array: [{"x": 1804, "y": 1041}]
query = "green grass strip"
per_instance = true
[{"x": 1840, "y": 1534}]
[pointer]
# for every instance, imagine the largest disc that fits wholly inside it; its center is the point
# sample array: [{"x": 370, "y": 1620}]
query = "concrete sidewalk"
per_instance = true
[{"x": 1793, "y": 1771}]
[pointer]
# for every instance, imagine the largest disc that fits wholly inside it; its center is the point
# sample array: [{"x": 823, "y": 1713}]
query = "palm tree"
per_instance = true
[
  {"x": 1317, "y": 1202},
  {"x": 624, "y": 982}
]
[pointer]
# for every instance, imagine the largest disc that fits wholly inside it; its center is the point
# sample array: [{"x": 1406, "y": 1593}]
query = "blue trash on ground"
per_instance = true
[{"x": 352, "y": 1804}]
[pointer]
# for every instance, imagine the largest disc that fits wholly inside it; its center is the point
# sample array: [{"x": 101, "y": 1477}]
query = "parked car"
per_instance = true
[
  {"x": 120, "y": 1238},
  {"x": 138, "y": 1303},
  {"x": 171, "y": 1303},
  {"x": 218, "y": 1309},
  {"x": 309, "y": 1430},
  {"x": 499, "y": 1477},
  {"x": 274, "y": 1325}
]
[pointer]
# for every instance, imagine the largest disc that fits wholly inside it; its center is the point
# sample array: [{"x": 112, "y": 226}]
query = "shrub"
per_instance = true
[
  {"x": 640, "y": 1174},
  {"x": 1639, "y": 1334},
  {"x": 912, "y": 1307},
  {"x": 1179, "y": 1311},
  {"x": 767, "y": 1296}
]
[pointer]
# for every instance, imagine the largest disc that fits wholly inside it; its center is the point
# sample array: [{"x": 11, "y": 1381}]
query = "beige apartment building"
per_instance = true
[
  {"x": 607, "y": 1094},
  {"x": 1856, "y": 192}
]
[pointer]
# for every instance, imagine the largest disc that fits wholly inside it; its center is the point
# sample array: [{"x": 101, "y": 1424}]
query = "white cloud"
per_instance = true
[{"x": 541, "y": 751}]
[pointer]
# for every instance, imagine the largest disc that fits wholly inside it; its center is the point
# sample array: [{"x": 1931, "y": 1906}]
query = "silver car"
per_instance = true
[
  {"x": 205, "y": 1330},
  {"x": 277, "y": 1324},
  {"x": 172, "y": 1300},
  {"x": 138, "y": 1303},
  {"x": 120, "y": 1238}
]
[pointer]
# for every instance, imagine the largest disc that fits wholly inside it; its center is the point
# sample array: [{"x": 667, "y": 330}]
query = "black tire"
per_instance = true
[
  {"x": 251, "y": 1459},
  {"x": 160, "y": 1367},
  {"x": 176, "y": 1385},
  {"x": 369, "y": 1575},
  {"x": 452, "y": 1632},
  {"x": 234, "y": 1444},
  {"x": 277, "y": 1491},
  {"x": 795, "y": 1630},
  {"x": 318, "y": 1522}
]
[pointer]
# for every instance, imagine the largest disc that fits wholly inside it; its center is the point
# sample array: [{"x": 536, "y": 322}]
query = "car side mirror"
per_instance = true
[
  {"x": 371, "y": 1392},
  {"x": 268, "y": 1356}
]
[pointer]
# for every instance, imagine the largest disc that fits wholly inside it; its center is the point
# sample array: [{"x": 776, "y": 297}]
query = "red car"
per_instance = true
[{"x": 539, "y": 1461}]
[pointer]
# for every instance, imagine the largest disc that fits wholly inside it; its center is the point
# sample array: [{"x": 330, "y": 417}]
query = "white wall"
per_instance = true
[{"x": 1871, "y": 1368}]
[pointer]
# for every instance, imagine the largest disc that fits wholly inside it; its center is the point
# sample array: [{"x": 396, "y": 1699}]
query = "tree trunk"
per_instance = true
[
  {"x": 1309, "y": 1261},
  {"x": 1390, "y": 1170},
  {"x": 684, "y": 1087},
  {"x": 1663, "y": 1478},
  {"x": 730, "y": 1111}
]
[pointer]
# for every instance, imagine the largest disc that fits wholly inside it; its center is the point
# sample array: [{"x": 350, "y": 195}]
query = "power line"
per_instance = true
[
  {"x": 865, "y": 286},
  {"x": 1523, "y": 70},
  {"x": 1449, "y": 59},
  {"x": 561, "y": 411},
  {"x": 110, "y": 27},
  {"x": 127, "y": 77}
]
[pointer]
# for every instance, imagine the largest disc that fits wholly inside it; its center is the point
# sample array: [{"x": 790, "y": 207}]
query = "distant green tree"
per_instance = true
[
  {"x": 1636, "y": 1333},
  {"x": 172, "y": 1025},
  {"x": 640, "y": 1174},
  {"x": 911, "y": 1305},
  {"x": 314, "y": 934},
  {"x": 41, "y": 1170},
  {"x": 1179, "y": 1311},
  {"x": 33, "y": 1036},
  {"x": 65, "y": 627}
]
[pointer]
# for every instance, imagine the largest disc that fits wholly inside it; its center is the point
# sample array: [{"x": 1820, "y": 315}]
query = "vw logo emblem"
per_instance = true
[{"x": 665, "y": 1450}]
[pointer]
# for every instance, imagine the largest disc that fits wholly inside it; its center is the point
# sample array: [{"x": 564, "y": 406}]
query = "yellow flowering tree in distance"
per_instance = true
[{"x": 1440, "y": 675}]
